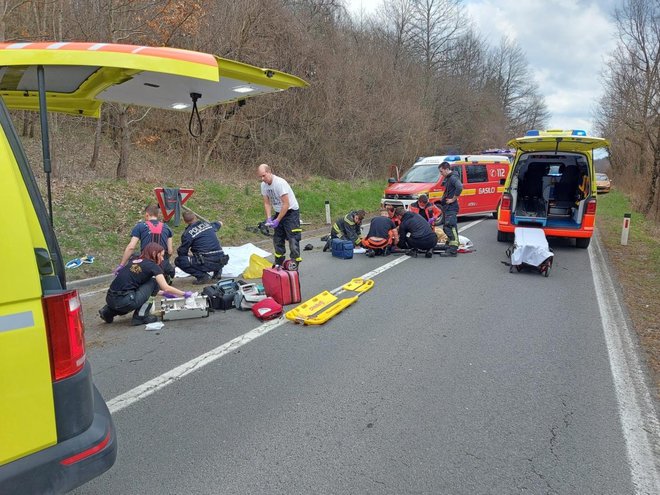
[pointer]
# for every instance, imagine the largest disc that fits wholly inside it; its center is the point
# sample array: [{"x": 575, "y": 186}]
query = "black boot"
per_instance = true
[
  {"x": 145, "y": 318},
  {"x": 107, "y": 314}
]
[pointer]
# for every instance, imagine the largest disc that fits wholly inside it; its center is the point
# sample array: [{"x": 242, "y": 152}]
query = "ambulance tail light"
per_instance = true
[
  {"x": 591, "y": 207},
  {"x": 506, "y": 202},
  {"x": 66, "y": 333}
]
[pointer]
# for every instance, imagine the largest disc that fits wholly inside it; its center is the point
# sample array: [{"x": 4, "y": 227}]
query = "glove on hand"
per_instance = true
[
  {"x": 169, "y": 295},
  {"x": 268, "y": 222},
  {"x": 274, "y": 223},
  {"x": 187, "y": 294},
  {"x": 116, "y": 270},
  {"x": 431, "y": 221}
]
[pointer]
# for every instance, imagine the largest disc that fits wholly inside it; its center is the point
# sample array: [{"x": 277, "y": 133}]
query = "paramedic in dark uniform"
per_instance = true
[
  {"x": 135, "y": 284},
  {"x": 282, "y": 214},
  {"x": 449, "y": 203},
  {"x": 348, "y": 228},
  {"x": 428, "y": 210},
  {"x": 415, "y": 232},
  {"x": 382, "y": 235},
  {"x": 151, "y": 230},
  {"x": 200, "y": 251}
]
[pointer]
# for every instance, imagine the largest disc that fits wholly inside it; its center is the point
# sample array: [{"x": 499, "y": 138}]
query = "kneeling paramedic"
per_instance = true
[
  {"x": 382, "y": 236},
  {"x": 428, "y": 210},
  {"x": 135, "y": 284},
  {"x": 415, "y": 232},
  {"x": 347, "y": 228},
  {"x": 200, "y": 251},
  {"x": 449, "y": 204}
]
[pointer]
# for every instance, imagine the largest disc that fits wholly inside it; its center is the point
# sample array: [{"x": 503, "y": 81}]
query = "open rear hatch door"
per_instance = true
[
  {"x": 79, "y": 77},
  {"x": 561, "y": 143}
]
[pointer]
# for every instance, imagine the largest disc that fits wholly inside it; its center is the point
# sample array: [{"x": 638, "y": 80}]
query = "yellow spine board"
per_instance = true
[{"x": 325, "y": 305}]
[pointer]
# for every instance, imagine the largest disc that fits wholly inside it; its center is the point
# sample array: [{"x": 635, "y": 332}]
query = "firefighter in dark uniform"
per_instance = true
[
  {"x": 415, "y": 233},
  {"x": 428, "y": 210},
  {"x": 347, "y": 228},
  {"x": 151, "y": 230},
  {"x": 200, "y": 251},
  {"x": 135, "y": 284},
  {"x": 449, "y": 204}
]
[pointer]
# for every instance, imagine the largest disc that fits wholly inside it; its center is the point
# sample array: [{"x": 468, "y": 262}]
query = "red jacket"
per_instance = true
[{"x": 428, "y": 211}]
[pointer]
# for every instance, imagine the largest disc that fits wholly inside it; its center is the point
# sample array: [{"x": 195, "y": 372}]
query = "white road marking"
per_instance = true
[
  {"x": 91, "y": 293},
  {"x": 639, "y": 421},
  {"x": 146, "y": 389}
]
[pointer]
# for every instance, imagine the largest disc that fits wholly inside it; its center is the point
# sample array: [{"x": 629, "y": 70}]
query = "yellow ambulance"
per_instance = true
[{"x": 55, "y": 430}]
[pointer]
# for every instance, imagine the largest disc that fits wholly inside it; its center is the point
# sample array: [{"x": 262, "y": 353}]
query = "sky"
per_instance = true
[{"x": 566, "y": 42}]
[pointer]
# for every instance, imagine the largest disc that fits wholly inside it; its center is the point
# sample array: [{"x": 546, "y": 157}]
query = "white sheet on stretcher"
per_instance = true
[{"x": 530, "y": 246}]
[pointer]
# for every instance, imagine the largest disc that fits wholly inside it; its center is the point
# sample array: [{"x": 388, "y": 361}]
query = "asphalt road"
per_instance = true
[{"x": 450, "y": 376}]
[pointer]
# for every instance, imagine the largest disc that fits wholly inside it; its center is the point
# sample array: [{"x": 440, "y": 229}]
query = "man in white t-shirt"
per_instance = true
[{"x": 282, "y": 215}]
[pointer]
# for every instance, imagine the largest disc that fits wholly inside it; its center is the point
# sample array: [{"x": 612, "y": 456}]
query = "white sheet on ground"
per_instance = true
[
  {"x": 530, "y": 246},
  {"x": 239, "y": 259}
]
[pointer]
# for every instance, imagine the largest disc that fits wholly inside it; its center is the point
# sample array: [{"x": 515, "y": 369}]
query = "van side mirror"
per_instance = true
[
  {"x": 391, "y": 180},
  {"x": 502, "y": 182}
]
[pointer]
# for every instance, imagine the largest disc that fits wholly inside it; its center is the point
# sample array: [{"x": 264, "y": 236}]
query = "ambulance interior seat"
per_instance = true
[
  {"x": 531, "y": 188},
  {"x": 566, "y": 189}
]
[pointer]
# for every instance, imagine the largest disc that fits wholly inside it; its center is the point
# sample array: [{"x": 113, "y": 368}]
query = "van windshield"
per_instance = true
[{"x": 422, "y": 173}]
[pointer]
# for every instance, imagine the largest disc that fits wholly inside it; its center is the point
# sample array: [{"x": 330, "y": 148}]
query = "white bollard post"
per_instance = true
[
  {"x": 626, "y": 228},
  {"x": 327, "y": 213}
]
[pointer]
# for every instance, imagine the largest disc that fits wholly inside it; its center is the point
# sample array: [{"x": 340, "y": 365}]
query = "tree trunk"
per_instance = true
[
  {"x": 93, "y": 162},
  {"x": 124, "y": 144},
  {"x": 655, "y": 172}
]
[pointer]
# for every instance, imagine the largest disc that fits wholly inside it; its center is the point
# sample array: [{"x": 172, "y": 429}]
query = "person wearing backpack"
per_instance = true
[{"x": 150, "y": 230}]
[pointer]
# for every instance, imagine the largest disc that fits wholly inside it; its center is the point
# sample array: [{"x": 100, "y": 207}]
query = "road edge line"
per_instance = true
[{"x": 637, "y": 415}]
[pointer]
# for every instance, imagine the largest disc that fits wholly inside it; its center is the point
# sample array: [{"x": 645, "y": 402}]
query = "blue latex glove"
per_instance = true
[
  {"x": 116, "y": 270},
  {"x": 431, "y": 221},
  {"x": 187, "y": 294},
  {"x": 169, "y": 295},
  {"x": 274, "y": 223}
]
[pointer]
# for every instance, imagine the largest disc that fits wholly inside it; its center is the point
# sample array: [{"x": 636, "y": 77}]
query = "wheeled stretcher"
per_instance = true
[{"x": 530, "y": 250}]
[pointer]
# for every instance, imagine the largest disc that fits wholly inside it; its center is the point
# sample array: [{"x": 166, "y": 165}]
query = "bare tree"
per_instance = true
[{"x": 631, "y": 104}]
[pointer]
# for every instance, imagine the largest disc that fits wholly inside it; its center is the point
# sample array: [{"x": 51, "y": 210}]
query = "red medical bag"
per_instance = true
[{"x": 282, "y": 285}]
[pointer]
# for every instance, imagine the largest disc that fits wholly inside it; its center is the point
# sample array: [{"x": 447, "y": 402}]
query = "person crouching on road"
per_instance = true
[
  {"x": 200, "y": 251},
  {"x": 135, "y": 283},
  {"x": 449, "y": 203},
  {"x": 347, "y": 228},
  {"x": 382, "y": 236},
  {"x": 415, "y": 232},
  {"x": 428, "y": 210}
]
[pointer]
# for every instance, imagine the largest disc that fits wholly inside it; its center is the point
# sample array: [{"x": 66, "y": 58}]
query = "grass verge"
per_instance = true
[
  {"x": 637, "y": 266},
  {"x": 96, "y": 217}
]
